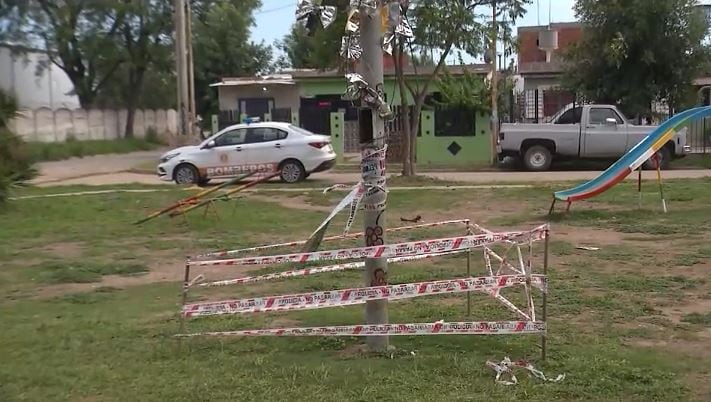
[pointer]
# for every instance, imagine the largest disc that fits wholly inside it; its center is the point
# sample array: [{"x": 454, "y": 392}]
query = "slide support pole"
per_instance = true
[
  {"x": 639, "y": 188},
  {"x": 661, "y": 186}
]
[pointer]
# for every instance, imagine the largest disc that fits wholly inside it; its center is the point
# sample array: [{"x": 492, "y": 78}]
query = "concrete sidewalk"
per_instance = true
[{"x": 115, "y": 169}]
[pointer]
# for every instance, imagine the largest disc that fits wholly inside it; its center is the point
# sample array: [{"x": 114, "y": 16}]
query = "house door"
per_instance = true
[{"x": 256, "y": 107}]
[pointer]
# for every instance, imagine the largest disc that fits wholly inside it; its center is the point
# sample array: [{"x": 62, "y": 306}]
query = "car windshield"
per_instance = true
[{"x": 300, "y": 130}]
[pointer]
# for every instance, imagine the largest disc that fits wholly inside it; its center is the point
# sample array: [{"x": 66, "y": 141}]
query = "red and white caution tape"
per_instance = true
[
  {"x": 316, "y": 270},
  {"x": 506, "y": 366},
  {"x": 347, "y": 297},
  {"x": 353, "y": 197},
  {"x": 330, "y": 238},
  {"x": 435, "y": 328},
  {"x": 384, "y": 251}
]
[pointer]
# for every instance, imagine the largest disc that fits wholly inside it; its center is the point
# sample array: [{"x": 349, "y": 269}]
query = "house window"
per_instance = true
[{"x": 454, "y": 121}]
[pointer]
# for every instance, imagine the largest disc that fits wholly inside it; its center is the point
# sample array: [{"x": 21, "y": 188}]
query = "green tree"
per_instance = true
[
  {"x": 221, "y": 47},
  {"x": 145, "y": 40},
  {"x": 321, "y": 49},
  {"x": 80, "y": 37},
  {"x": 637, "y": 51},
  {"x": 145, "y": 78},
  {"x": 444, "y": 26}
]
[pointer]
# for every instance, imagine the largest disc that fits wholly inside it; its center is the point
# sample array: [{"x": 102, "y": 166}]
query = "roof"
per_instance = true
[
  {"x": 554, "y": 25},
  {"x": 277, "y": 124},
  {"x": 290, "y": 77},
  {"x": 411, "y": 70},
  {"x": 273, "y": 79}
]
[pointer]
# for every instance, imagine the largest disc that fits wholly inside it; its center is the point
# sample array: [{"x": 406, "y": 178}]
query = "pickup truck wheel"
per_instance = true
[
  {"x": 664, "y": 156},
  {"x": 537, "y": 158}
]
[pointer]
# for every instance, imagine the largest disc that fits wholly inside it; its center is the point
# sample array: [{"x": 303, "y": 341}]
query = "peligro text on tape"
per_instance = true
[
  {"x": 318, "y": 270},
  {"x": 384, "y": 251},
  {"x": 330, "y": 238},
  {"x": 347, "y": 297},
  {"x": 435, "y": 328}
]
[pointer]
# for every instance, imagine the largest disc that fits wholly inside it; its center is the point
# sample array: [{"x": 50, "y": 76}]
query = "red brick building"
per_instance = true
[
  {"x": 532, "y": 64},
  {"x": 541, "y": 73}
]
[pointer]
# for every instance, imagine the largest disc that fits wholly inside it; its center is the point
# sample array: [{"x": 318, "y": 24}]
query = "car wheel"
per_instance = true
[
  {"x": 664, "y": 156},
  {"x": 292, "y": 171},
  {"x": 186, "y": 174},
  {"x": 537, "y": 158}
]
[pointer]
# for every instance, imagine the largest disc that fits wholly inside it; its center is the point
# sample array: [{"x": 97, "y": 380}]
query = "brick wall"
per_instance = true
[{"x": 568, "y": 33}]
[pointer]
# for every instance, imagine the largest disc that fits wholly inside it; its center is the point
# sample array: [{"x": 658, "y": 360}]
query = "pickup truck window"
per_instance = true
[
  {"x": 598, "y": 116},
  {"x": 572, "y": 116}
]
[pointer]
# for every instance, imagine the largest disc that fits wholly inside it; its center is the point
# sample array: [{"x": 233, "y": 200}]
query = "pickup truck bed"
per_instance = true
[{"x": 580, "y": 132}]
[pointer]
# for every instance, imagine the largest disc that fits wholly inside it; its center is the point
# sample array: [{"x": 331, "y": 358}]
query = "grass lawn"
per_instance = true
[
  {"x": 55, "y": 151},
  {"x": 89, "y": 302}
]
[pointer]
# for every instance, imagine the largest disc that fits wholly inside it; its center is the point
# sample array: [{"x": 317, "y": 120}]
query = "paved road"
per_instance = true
[{"x": 113, "y": 169}]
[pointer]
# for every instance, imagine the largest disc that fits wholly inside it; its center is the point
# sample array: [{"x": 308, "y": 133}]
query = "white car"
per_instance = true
[{"x": 244, "y": 148}]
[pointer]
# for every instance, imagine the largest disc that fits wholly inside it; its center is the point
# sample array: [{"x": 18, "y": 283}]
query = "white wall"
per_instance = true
[
  {"x": 47, "y": 125},
  {"x": 18, "y": 76}
]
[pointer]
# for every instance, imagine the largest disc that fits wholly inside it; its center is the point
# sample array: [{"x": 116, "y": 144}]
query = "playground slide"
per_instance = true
[{"x": 632, "y": 159}]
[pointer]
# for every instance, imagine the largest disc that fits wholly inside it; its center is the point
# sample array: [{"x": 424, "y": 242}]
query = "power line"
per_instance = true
[{"x": 271, "y": 10}]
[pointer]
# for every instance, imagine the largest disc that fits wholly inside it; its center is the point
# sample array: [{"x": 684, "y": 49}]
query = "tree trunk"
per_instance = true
[
  {"x": 131, "y": 95},
  {"x": 414, "y": 129},
  {"x": 130, "y": 117},
  {"x": 406, "y": 140},
  {"x": 85, "y": 95},
  {"x": 404, "y": 110}
]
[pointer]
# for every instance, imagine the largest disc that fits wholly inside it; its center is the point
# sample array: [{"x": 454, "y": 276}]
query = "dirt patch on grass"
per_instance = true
[
  {"x": 691, "y": 306},
  {"x": 582, "y": 236},
  {"x": 479, "y": 211},
  {"x": 291, "y": 202},
  {"x": 284, "y": 322},
  {"x": 65, "y": 249},
  {"x": 167, "y": 269}
]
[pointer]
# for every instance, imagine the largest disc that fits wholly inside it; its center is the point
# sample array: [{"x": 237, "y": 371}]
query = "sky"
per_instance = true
[{"x": 275, "y": 17}]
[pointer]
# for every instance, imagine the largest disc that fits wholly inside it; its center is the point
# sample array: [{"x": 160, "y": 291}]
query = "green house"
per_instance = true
[{"x": 312, "y": 99}]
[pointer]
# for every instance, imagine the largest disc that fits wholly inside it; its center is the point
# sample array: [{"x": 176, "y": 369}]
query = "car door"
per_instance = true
[
  {"x": 227, "y": 157},
  {"x": 602, "y": 137},
  {"x": 266, "y": 147}
]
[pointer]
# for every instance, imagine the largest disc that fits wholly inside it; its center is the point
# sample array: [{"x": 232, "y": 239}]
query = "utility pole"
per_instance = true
[
  {"x": 183, "y": 69},
  {"x": 191, "y": 73},
  {"x": 372, "y": 141},
  {"x": 494, "y": 85}
]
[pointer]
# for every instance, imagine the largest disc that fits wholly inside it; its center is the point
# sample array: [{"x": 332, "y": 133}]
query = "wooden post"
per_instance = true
[
  {"x": 186, "y": 281},
  {"x": 546, "y": 249},
  {"x": 469, "y": 272}
]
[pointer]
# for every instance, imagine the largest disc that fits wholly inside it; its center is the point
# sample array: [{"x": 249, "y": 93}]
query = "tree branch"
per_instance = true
[{"x": 442, "y": 58}]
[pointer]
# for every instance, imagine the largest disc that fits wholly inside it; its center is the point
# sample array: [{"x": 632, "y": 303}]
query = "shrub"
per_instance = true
[
  {"x": 15, "y": 163},
  {"x": 152, "y": 136}
]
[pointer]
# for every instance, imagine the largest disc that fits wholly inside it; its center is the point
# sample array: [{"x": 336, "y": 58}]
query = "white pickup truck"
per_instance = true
[{"x": 582, "y": 132}]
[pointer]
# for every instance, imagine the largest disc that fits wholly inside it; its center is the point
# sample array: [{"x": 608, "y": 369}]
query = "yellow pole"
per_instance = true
[
  {"x": 659, "y": 179},
  {"x": 227, "y": 193}
]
